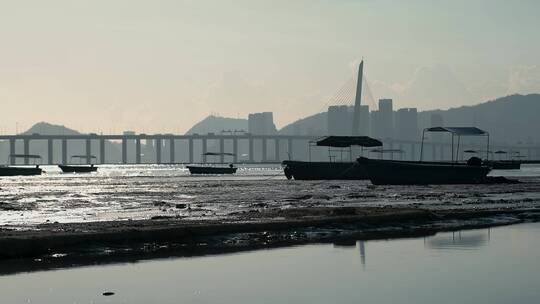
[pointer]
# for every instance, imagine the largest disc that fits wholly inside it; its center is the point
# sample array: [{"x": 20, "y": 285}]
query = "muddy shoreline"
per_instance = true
[{"x": 56, "y": 245}]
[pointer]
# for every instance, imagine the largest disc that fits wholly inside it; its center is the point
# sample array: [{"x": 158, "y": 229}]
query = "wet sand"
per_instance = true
[{"x": 76, "y": 244}]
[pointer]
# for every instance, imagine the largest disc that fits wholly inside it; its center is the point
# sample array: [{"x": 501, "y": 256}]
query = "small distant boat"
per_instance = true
[
  {"x": 391, "y": 172},
  {"x": 331, "y": 170},
  {"x": 79, "y": 168},
  {"x": 17, "y": 170},
  {"x": 213, "y": 168}
]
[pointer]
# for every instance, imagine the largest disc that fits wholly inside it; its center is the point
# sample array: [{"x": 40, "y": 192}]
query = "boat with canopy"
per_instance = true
[
  {"x": 18, "y": 170},
  {"x": 334, "y": 169},
  {"x": 79, "y": 168},
  {"x": 213, "y": 168},
  {"x": 394, "y": 172}
]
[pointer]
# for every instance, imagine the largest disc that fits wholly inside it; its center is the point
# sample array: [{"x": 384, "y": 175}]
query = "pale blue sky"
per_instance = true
[{"x": 160, "y": 66}]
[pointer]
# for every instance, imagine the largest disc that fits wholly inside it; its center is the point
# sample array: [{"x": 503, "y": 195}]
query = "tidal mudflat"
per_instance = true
[{"x": 138, "y": 212}]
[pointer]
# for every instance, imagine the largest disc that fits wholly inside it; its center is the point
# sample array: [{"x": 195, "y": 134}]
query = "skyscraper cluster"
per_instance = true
[{"x": 382, "y": 123}]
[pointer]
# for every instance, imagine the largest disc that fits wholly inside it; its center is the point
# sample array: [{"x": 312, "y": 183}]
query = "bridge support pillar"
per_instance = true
[
  {"x": 158, "y": 150},
  {"x": 64, "y": 151},
  {"x": 235, "y": 149},
  {"x": 102, "y": 150},
  {"x": 88, "y": 151},
  {"x": 290, "y": 147},
  {"x": 190, "y": 151},
  {"x": 251, "y": 159},
  {"x": 124, "y": 150},
  {"x": 50, "y": 151},
  {"x": 12, "y": 151},
  {"x": 276, "y": 149},
  {"x": 171, "y": 151},
  {"x": 26, "y": 143},
  {"x": 204, "y": 149},
  {"x": 138, "y": 150},
  {"x": 222, "y": 150},
  {"x": 264, "y": 148}
]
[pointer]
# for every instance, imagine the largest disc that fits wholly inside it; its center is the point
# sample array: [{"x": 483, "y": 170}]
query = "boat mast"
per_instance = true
[{"x": 357, "y": 101}]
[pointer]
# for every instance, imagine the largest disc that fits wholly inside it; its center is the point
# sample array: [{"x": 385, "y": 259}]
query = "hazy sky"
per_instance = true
[{"x": 161, "y": 66}]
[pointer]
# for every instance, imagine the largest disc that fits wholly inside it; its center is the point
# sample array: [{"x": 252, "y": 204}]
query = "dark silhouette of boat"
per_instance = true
[
  {"x": 392, "y": 172},
  {"x": 508, "y": 164},
  {"x": 79, "y": 168},
  {"x": 395, "y": 172},
  {"x": 213, "y": 168},
  {"x": 16, "y": 170},
  {"x": 331, "y": 170}
]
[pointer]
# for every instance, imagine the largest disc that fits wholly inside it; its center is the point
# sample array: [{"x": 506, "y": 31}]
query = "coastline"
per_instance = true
[{"x": 56, "y": 245}]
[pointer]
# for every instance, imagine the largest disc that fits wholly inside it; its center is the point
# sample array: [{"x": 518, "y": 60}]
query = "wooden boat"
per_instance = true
[
  {"x": 213, "y": 168},
  {"x": 14, "y": 171},
  {"x": 78, "y": 168},
  {"x": 391, "y": 172},
  {"x": 17, "y": 170},
  {"x": 331, "y": 170}
]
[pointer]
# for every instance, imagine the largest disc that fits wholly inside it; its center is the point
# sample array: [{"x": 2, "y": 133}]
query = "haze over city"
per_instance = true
[{"x": 161, "y": 66}]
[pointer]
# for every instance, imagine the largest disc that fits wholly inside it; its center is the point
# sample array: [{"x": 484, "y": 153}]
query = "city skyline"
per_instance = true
[{"x": 161, "y": 68}]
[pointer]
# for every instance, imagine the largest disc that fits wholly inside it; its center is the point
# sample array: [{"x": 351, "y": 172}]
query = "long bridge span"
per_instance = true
[{"x": 178, "y": 149}]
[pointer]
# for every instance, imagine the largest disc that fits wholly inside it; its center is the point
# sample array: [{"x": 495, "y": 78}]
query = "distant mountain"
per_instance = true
[
  {"x": 216, "y": 124},
  {"x": 511, "y": 119},
  {"x": 312, "y": 125},
  {"x": 45, "y": 128}
]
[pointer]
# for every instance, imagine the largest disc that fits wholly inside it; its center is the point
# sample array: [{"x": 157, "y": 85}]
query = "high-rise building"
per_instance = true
[
  {"x": 261, "y": 123},
  {"x": 339, "y": 120},
  {"x": 382, "y": 121},
  {"x": 364, "y": 121},
  {"x": 406, "y": 124},
  {"x": 437, "y": 121}
]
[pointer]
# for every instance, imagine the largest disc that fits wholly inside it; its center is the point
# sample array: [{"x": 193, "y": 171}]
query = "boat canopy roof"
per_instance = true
[
  {"x": 470, "y": 151},
  {"x": 460, "y": 131},
  {"x": 218, "y": 153},
  {"x": 347, "y": 141},
  {"x": 83, "y": 156},
  {"x": 25, "y": 156}
]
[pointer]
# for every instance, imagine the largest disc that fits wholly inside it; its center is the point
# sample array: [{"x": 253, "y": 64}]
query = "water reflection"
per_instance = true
[{"x": 459, "y": 240}]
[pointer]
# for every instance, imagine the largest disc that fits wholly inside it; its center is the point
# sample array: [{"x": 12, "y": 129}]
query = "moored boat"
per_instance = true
[
  {"x": 392, "y": 172},
  {"x": 18, "y": 170},
  {"x": 193, "y": 169},
  {"x": 213, "y": 168},
  {"x": 331, "y": 170},
  {"x": 77, "y": 169},
  {"x": 14, "y": 171}
]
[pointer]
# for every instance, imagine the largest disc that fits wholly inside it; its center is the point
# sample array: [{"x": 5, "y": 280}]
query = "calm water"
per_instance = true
[{"x": 499, "y": 265}]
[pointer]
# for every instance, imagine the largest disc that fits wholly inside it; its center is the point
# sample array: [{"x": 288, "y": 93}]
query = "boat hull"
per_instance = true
[
  {"x": 388, "y": 172},
  {"x": 302, "y": 170},
  {"x": 77, "y": 169},
  {"x": 504, "y": 164},
  {"x": 15, "y": 171},
  {"x": 211, "y": 170}
]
